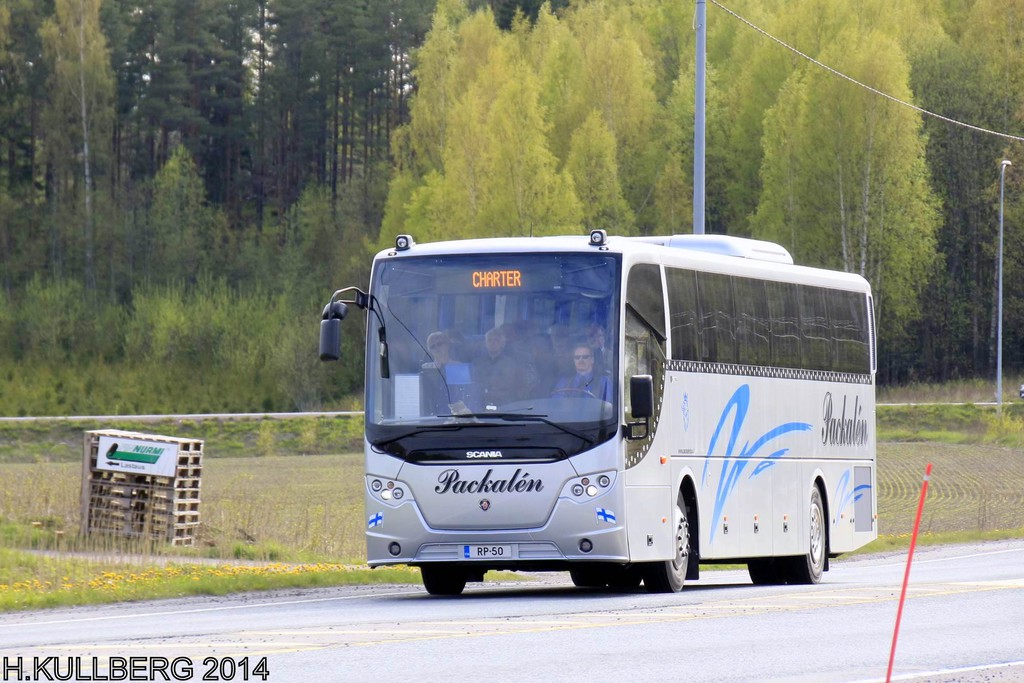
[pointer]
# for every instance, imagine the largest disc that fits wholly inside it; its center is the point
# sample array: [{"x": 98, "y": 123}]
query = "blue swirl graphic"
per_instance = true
[{"x": 736, "y": 462}]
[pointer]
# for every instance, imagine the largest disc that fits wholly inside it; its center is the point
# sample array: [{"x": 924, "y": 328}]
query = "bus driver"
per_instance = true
[{"x": 585, "y": 382}]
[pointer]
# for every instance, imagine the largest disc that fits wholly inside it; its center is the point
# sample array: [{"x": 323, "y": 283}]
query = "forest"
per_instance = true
[{"x": 183, "y": 183}]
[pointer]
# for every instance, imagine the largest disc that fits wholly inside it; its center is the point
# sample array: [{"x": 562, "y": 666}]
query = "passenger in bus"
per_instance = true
[
  {"x": 596, "y": 340},
  {"x": 585, "y": 382},
  {"x": 561, "y": 347},
  {"x": 433, "y": 391},
  {"x": 439, "y": 347},
  {"x": 541, "y": 369},
  {"x": 497, "y": 371},
  {"x": 445, "y": 384},
  {"x": 458, "y": 347}
]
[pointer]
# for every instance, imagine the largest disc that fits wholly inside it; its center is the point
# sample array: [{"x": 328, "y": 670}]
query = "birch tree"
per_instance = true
[
  {"x": 80, "y": 103},
  {"x": 595, "y": 173},
  {"x": 845, "y": 181}
]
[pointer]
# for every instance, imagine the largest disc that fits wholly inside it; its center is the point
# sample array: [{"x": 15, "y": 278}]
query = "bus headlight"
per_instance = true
[
  {"x": 387, "y": 490},
  {"x": 589, "y": 486}
]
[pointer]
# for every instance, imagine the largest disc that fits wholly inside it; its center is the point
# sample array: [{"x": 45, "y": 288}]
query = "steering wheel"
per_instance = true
[{"x": 572, "y": 391}]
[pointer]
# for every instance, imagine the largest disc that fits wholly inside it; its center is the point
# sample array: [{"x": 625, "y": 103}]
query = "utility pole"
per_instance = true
[
  {"x": 698, "y": 118},
  {"x": 999, "y": 336}
]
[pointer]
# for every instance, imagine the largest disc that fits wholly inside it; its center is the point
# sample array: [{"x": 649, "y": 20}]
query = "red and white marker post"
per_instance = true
[{"x": 906, "y": 574}]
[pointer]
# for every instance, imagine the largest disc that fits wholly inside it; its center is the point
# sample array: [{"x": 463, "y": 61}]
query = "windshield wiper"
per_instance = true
[
  {"x": 526, "y": 417},
  {"x": 449, "y": 427}
]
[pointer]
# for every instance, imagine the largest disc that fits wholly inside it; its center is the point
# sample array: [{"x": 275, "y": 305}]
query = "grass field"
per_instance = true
[
  {"x": 958, "y": 391},
  {"x": 286, "y": 504},
  {"x": 310, "y": 508},
  {"x": 275, "y": 508},
  {"x": 973, "y": 488}
]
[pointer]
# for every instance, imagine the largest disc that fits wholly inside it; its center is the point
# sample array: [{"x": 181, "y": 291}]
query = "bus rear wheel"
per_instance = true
[
  {"x": 669, "y": 576},
  {"x": 766, "y": 571},
  {"x": 808, "y": 568},
  {"x": 442, "y": 579}
]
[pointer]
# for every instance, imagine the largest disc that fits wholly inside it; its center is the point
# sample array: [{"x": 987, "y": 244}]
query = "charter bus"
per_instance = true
[{"x": 623, "y": 408}]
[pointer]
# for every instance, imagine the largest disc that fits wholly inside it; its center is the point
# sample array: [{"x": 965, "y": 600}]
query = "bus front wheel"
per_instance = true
[
  {"x": 668, "y": 577},
  {"x": 588, "y": 576},
  {"x": 441, "y": 579},
  {"x": 606, "y": 574}
]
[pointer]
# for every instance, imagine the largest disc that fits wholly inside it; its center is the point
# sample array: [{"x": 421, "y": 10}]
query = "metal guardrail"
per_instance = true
[
  {"x": 282, "y": 416},
  {"x": 183, "y": 416}
]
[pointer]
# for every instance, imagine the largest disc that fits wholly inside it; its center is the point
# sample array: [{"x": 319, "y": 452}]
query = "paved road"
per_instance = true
[{"x": 964, "y": 621}]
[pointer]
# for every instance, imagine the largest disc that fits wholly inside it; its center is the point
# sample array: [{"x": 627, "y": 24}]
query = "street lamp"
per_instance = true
[{"x": 999, "y": 335}]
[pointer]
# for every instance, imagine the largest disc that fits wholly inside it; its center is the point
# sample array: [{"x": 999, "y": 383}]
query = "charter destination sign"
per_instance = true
[{"x": 136, "y": 456}]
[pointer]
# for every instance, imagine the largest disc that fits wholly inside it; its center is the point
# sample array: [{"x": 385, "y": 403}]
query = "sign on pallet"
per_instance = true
[
  {"x": 121, "y": 454},
  {"x": 143, "y": 486}
]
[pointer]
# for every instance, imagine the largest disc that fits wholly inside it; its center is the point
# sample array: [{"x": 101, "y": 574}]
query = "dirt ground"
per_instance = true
[{"x": 972, "y": 487}]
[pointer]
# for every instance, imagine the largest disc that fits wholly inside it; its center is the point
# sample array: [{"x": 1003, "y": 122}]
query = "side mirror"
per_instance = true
[
  {"x": 330, "y": 330},
  {"x": 641, "y": 395}
]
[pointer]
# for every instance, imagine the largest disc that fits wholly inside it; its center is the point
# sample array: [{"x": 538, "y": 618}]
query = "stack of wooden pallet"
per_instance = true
[{"x": 152, "y": 501}]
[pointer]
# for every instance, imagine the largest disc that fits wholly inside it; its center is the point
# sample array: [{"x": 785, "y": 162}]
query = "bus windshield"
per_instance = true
[{"x": 493, "y": 355}]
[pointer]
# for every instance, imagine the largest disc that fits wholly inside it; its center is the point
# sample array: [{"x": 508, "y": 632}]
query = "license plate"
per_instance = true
[{"x": 487, "y": 552}]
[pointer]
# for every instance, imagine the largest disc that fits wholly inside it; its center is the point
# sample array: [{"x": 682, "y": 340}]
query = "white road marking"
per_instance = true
[
  {"x": 198, "y": 610},
  {"x": 926, "y": 675}
]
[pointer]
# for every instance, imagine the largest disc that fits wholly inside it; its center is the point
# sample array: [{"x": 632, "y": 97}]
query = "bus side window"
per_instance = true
[
  {"x": 752, "y": 322},
  {"x": 814, "y": 328},
  {"x": 784, "y": 308},
  {"x": 682, "y": 304},
  {"x": 644, "y": 336},
  {"x": 848, "y": 316},
  {"x": 717, "y": 318},
  {"x": 644, "y": 295}
]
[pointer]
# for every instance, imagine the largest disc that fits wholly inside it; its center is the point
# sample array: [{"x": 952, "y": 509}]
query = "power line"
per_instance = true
[{"x": 863, "y": 85}]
